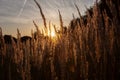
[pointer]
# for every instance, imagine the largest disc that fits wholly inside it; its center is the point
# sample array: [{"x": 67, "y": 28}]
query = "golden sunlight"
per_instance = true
[{"x": 52, "y": 34}]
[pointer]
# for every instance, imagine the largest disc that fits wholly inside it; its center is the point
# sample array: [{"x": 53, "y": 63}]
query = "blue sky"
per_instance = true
[{"x": 20, "y": 13}]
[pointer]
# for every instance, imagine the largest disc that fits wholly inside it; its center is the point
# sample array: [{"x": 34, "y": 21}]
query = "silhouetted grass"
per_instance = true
[{"x": 89, "y": 51}]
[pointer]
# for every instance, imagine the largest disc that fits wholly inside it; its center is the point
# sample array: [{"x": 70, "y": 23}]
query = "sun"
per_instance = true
[{"x": 52, "y": 34}]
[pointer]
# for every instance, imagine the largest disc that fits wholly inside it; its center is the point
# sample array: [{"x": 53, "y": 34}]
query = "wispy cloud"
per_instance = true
[{"x": 22, "y": 12}]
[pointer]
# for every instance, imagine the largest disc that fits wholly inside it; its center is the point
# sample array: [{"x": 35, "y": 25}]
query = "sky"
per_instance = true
[{"x": 19, "y": 14}]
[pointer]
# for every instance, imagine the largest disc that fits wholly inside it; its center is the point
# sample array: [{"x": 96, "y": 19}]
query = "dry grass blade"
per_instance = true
[
  {"x": 55, "y": 28},
  {"x": 0, "y": 31},
  {"x": 78, "y": 11},
  {"x": 41, "y": 12},
  {"x": 18, "y": 34},
  {"x": 61, "y": 21},
  {"x": 36, "y": 27},
  {"x": 50, "y": 27},
  {"x": 73, "y": 15}
]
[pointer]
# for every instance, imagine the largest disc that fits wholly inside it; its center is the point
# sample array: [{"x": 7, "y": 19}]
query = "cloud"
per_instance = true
[{"x": 10, "y": 9}]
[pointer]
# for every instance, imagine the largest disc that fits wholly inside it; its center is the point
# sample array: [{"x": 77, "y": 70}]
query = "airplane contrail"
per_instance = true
[{"x": 21, "y": 10}]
